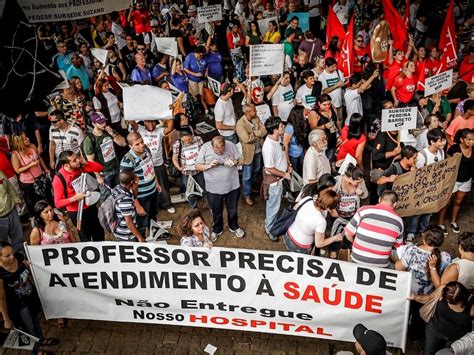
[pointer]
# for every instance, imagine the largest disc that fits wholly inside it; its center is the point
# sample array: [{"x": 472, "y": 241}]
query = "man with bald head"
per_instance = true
[
  {"x": 139, "y": 159},
  {"x": 141, "y": 74}
]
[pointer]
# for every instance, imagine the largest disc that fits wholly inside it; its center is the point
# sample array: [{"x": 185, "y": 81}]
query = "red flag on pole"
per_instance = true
[
  {"x": 396, "y": 24},
  {"x": 334, "y": 27},
  {"x": 447, "y": 41},
  {"x": 421, "y": 76},
  {"x": 406, "y": 16},
  {"x": 346, "y": 63}
]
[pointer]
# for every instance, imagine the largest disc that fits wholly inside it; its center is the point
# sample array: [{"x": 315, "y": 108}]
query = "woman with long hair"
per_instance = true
[
  {"x": 361, "y": 54},
  {"x": 464, "y": 142},
  {"x": 253, "y": 35},
  {"x": 353, "y": 140},
  {"x": 235, "y": 42},
  {"x": 351, "y": 189},
  {"x": 272, "y": 36},
  {"x": 115, "y": 66},
  {"x": 404, "y": 85},
  {"x": 107, "y": 103},
  {"x": 294, "y": 138},
  {"x": 30, "y": 167},
  {"x": 193, "y": 230},
  {"x": 430, "y": 122}
]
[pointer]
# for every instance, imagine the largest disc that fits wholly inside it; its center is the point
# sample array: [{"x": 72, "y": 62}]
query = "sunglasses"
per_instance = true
[
  {"x": 54, "y": 121},
  {"x": 141, "y": 49}
]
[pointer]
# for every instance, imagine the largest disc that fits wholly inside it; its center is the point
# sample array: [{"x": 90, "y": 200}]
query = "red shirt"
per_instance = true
[
  {"x": 358, "y": 54},
  {"x": 393, "y": 70},
  {"x": 141, "y": 21},
  {"x": 6, "y": 166},
  {"x": 349, "y": 146},
  {"x": 60, "y": 199},
  {"x": 432, "y": 65},
  {"x": 466, "y": 71},
  {"x": 405, "y": 88}
]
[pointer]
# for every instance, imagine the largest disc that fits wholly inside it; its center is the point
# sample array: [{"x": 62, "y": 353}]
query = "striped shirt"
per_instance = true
[
  {"x": 123, "y": 207},
  {"x": 143, "y": 167},
  {"x": 71, "y": 139},
  {"x": 376, "y": 229}
]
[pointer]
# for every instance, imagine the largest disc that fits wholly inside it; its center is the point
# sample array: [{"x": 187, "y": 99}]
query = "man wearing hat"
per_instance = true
[
  {"x": 369, "y": 342},
  {"x": 98, "y": 146},
  {"x": 225, "y": 115}
]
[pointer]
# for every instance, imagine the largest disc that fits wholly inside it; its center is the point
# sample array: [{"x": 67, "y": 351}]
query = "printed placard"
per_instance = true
[
  {"x": 146, "y": 102},
  {"x": 53, "y": 10},
  {"x": 266, "y": 59},
  {"x": 167, "y": 45},
  {"x": 428, "y": 189},
  {"x": 251, "y": 290},
  {"x": 215, "y": 86},
  {"x": 397, "y": 119},
  {"x": 438, "y": 82},
  {"x": 209, "y": 13}
]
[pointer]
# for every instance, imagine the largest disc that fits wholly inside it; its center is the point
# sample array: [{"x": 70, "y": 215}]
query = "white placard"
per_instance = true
[
  {"x": 100, "y": 54},
  {"x": 349, "y": 159},
  {"x": 263, "y": 112},
  {"x": 146, "y": 102},
  {"x": 209, "y": 13},
  {"x": 167, "y": 45},
  {"x": 204, "y": 128},
  {"x": 165, "y": 284},
  {"x": 263, "y": 24},
  {"x": 266, "y": 59},
  {"x": 54, "y": 10},
  {"x": 215, "y": 86},
  {"x": 397, "y": 119},
  {"x": 18, "y": 339},
  {"x": 438, "y": 82}
]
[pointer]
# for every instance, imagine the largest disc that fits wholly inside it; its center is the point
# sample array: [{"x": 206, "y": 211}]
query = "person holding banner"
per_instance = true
[
  {"x": 178, "y": 77},
  {"x": 65, "y": 196}
]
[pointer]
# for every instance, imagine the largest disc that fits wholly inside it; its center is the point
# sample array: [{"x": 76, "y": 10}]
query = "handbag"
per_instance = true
[
  {"x": 285, "y": 219},
  {"x": 428, "y": 310}
]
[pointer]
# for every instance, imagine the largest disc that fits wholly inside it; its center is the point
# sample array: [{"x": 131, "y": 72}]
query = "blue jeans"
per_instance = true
[
  {"x": 30, "y": 322},
  {"x": 232, "y": 138},
  {"x": 273, "y": 204},
  {"x": 330, "y": 153},
  {"x": 291, "y": 246},
  {"x": 417, "y": 224},
  {"x": 297, "y": 164},
  {"x": 250, "y": 173},
  {"x": 216, "y": 203}
]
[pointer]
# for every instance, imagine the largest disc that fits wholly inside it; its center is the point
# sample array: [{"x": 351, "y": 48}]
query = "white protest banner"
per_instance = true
[
  {"x": 263, "y": 23},
  {"x": 263, "y": 112},
  {"x": 266, "y": 59},
  {"x": 167, "y": 45},
  {"x": 215, "y": 86},
  {"x": 209, "y": 13},
  {"x": 146, "y": 102},
  {"x": 100, "y": 54},
  {"x": 428, "y": 189},
  {"x": 220, "y": 288},
  {"x": 53, "y": 10},
  {"x": 396, "y": 119},
  {"x": 439, "y": 82}
]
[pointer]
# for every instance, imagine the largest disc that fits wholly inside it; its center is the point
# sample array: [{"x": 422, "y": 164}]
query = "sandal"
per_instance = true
[{"x": 49, "y": 342}]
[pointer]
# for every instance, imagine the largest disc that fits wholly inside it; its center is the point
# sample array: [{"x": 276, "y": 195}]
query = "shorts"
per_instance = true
[
  {"x": 195, "y": 89},
  {"x": 462, "y": 186}
]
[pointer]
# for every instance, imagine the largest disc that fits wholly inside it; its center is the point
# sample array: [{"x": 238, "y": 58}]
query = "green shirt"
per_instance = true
[
  {"x": 103, "y": 149},
  {"x": 8, "y": 196},
  {"x": 288, "y": 50},
  {"x": 444, "y": 107}
]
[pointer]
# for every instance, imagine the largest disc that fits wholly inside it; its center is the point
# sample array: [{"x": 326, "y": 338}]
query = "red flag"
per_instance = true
[
  {"x": 334, "y": 27},
  {"x": 346, "y": 63},
  {"x": 447, "y": 41},
  {"x": 421, "y": 76},
  {"x": 396, "y": 24},
  {"x": 406, "y": 16}
]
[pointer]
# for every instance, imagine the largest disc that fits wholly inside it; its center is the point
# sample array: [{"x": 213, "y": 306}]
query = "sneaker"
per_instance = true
[
  {"x": 455, "y": 228},
  {"x": 214, "y": 236},
  {"x": 443, "y": 228},
  {"x": 273, "y": 238},
  {"x": 239, "y": 232},
  {"x": 171, "y": 210},
  {"x": 410, "y": 238}
]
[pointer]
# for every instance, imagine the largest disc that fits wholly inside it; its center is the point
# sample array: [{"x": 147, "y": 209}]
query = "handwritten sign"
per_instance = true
[
  {"x": 266, "y": 59},
  {"x": 209, "y": 13},
  {"x": 439, "y": 82},
  {"x": 263, "y": 112},
  {"x": 167, "y": 45},
  {"x": 428, "y": 189},
  {"x": 397, "y": 119}
]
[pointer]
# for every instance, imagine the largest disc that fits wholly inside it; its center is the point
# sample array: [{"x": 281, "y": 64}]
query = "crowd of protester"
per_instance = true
[{"x": 317, "y": 118}]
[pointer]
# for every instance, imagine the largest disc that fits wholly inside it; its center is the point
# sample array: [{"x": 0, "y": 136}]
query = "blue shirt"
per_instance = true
[
  {"x": 158, "y": 70},
  {"x": 141, "y": 76},
  {"x": 81, "y": 73},
  {"x": 64, "y": 61},
  {"x": 196, "y": 66},
  {"x": 214, "y": 60},
  {"x": 181, "y": 82},
  {"x": 295, "y": 150}
]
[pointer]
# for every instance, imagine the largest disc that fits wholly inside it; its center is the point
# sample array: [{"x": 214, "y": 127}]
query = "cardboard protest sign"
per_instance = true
[
  {"x": 146, "y": 102},
  {"x": 266, "y": 59},
  {"x": 151, "y": 283},
  {"x": 439, "y": 82},
  {"x": 100, "y": 54},
  {"x": 167, "y": 45},
  {"x": 397, "y": 119},
  {"x": 428, "y": 189},
  {"x": 303, "y": 20},
  {"x": 263, "y": 23},
  {"x": 53, "y": 10},
  {"x": 209, "y": 13}
]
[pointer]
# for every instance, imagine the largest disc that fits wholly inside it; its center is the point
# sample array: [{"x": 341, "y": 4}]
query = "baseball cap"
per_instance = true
[
  {"x": 154, "y": 23},
  {"x": 98, "y": 117},
  {"x": 371, "y": 341},
  {"x": 225, "y": 88},
  {"x": 192, "y": 8}
]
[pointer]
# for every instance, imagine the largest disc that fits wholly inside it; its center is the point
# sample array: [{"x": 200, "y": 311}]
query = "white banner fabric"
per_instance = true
[
  {"x": 146, "y": 102},
  {"x": 51, "y": 10},
  {"x": 251, "y": 290},
  {"x": 266, "y": 59}
]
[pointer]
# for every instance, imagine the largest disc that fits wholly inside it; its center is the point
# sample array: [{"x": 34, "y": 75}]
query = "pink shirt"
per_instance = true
[
  {"x": 459, "y": 123},
  {"x": 62, "y": 237},
  {"x": 29, "y": 176}
]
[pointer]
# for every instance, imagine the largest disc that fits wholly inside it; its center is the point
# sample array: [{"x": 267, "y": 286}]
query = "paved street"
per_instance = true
[{"x": 97, "y": 337}]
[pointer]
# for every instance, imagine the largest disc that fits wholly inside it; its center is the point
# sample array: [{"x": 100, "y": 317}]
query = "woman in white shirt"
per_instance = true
[
  {"x": 308, "y": 229},
  {"x": 107, "y": 103}
]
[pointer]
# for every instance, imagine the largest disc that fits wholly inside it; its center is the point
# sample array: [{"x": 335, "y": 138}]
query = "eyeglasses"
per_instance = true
[{"x": 141, "y": 49}]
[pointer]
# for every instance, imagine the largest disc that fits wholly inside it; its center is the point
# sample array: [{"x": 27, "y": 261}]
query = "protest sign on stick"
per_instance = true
[
  {"x": 428, "y": 189},
  {"x": 439, "y": 82},
  {"x": 167, "y": 45},
  {"x": 266, "y": 59},
  {"x": 209, "y": 13},
  {"x": 397, "y": 119},
  {"x": 146, "y": 102},
  {"x": 100, "y": 54}
]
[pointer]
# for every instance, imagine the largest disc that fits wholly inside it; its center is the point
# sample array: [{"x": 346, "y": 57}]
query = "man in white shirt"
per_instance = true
[
  {"x": 118, "y": 31},
  {"x": 332, "y": 80},
  {"x": 315, "y": 162},
  {"x": 313, "y": 7},
  {"x": 275, "y": 170},
  {"x": 224, "y": 114},
  {"x": 352, "y": 96},
  {"x": 304, "y": 95}
]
